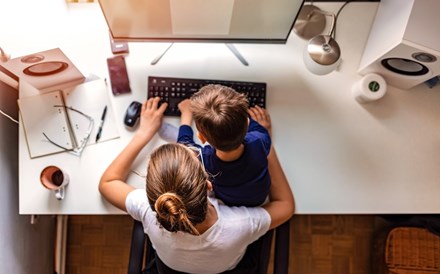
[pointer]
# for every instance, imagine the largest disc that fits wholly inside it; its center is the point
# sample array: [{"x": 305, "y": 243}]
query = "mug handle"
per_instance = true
[{"x": 59, "y": 193}]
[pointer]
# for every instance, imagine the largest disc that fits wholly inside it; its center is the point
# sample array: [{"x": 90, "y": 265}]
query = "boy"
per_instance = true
[{"x": 236, "y": 156}]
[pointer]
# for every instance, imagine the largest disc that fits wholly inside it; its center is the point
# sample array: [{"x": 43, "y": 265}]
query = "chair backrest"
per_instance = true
[
  {"x": 412, "y": 250},
  {"x": 256, "y": 259}
]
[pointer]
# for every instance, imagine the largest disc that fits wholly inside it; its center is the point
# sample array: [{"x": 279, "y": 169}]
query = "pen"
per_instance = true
[{"x": 98, "y": 135}]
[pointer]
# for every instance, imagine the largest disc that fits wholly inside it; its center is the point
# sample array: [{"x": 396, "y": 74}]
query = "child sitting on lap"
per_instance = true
[{"x": 238, "y": 147}]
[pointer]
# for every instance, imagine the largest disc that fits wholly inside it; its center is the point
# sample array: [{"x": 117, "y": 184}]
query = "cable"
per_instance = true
[
  {"x": 9, "y": 117},
  {"x": 337, "y": 16}
]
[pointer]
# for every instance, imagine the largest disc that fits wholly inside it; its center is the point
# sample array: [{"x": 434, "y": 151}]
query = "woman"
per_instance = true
[{"x": 191, "y": 231}]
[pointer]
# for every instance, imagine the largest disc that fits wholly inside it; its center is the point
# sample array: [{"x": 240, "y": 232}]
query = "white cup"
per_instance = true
[{"x": 54, "y": 178}]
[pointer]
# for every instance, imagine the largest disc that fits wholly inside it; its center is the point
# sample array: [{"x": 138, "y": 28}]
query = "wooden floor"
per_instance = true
[
  {"x": 320, "y": 244},
  {"x": 98, "y": 244}
]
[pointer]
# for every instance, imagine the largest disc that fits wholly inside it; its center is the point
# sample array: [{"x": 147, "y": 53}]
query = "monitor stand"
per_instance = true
[
  {"x": 237, "y": 54},
  {"x": 231, "y": 47}
]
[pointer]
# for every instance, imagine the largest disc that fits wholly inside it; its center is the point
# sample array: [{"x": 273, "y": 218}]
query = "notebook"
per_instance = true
[{"x": 42, "y": 114}]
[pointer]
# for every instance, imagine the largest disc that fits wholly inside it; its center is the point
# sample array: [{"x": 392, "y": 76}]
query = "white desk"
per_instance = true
[{"x": 339, "y": 156}]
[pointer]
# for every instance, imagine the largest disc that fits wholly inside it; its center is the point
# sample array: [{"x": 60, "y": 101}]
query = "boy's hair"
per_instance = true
[
  {"x": 221, "y": 115},
  {"x": 177, "y": 188}
]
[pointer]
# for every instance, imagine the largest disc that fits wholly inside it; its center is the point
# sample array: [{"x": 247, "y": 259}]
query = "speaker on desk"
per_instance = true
[
  {"x": 404, "y": 42},
  {"x": 46, "y": 70}
]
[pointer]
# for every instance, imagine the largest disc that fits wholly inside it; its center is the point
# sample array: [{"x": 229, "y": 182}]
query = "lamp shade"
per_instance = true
[
  {"x": 322, "y": 55},
  {"x": 310, "y": 22}
]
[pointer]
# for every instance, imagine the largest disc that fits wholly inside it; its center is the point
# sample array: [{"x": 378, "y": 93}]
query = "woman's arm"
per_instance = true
[
  {"x": 112, "y": 184},
  {"x": 282, "y": 204}
]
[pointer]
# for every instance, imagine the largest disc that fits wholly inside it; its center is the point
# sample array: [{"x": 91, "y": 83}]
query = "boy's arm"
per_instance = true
[
  {"x": 186, "y": 114},
  {"x": 260, "y": 126},
  {"x": 255, "y": 126},
  {"x": 261, "y": 119},
  {"x": 186, "y": 134}
]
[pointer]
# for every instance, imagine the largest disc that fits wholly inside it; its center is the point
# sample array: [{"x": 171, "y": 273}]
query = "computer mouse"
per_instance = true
[{"x": 132, "y": 114}]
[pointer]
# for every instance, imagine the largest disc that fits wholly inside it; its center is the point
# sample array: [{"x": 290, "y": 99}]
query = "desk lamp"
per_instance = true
[{"x": 322, "y": 53}]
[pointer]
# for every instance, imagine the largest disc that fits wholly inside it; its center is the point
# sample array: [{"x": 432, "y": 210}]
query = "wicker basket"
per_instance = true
[{"x": 412, "y": 250}]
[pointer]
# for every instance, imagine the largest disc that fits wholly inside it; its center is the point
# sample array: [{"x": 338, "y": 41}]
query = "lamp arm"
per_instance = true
[{"x": 326, "y": 13}]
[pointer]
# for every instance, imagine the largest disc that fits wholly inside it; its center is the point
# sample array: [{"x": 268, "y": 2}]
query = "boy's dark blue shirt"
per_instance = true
[{"x": 245, "y": 181}]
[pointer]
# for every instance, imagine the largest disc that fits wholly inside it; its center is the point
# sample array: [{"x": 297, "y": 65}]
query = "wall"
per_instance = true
[{"x": 25, "y": 248}]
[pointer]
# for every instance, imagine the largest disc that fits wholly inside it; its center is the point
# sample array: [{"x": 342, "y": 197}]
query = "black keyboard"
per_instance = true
[{"x": 173, "y": 90}]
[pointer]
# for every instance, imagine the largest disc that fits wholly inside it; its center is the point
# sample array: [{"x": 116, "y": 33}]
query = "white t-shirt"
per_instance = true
[{"x": 218, "y": 249}]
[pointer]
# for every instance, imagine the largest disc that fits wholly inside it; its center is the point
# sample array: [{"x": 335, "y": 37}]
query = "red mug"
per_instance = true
[{"x": 54, "y": 178}]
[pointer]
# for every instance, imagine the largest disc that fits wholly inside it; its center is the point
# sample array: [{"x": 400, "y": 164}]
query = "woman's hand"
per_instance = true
[{"x": 150, "y": 119}]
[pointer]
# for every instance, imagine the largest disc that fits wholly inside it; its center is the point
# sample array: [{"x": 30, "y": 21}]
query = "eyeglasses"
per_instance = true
[
  {"x": 78, "y": 148},
  {"x": 198, "y": 152}
]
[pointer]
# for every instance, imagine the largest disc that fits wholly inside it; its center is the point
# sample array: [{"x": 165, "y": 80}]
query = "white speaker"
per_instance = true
[{"x": 404, "y": 42}]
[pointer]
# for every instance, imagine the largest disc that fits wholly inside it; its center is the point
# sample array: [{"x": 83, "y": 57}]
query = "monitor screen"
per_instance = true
[{"x": 231, "y": 21}]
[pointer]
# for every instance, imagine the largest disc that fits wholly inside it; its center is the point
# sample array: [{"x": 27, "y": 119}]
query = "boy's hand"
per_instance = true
[
  {"x": 185, "y": 110},
  {"x": 151, "y": 118},
  {"x": 261, "y": 116},
  {"x": 185, "y": 106}
]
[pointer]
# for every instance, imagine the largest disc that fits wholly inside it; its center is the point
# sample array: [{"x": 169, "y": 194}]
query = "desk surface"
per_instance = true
[{"x": 340, "y": 157}]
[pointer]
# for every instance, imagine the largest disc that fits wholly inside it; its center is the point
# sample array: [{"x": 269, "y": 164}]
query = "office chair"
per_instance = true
[{"x": 141, "y": 251}]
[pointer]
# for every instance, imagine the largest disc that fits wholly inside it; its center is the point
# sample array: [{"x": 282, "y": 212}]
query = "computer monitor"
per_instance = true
[{"x": 226, "y": 21}]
